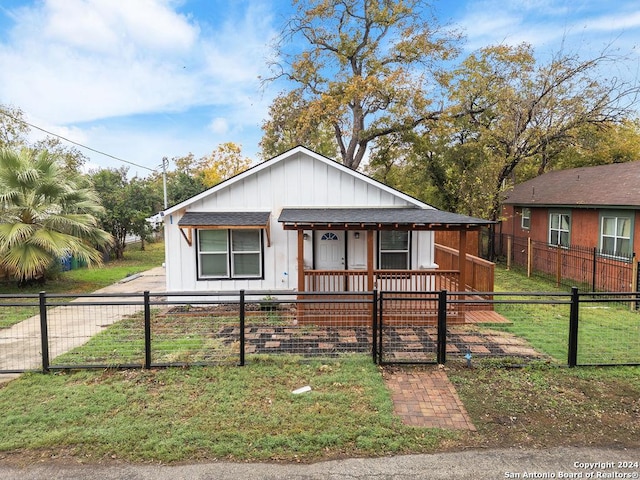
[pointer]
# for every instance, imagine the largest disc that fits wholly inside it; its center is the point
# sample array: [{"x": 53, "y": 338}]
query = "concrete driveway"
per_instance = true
[{"x": 72, "y": 326}]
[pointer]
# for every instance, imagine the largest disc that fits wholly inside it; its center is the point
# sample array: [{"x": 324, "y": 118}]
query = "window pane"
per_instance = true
[
  {"x": 246, "y": 264},
  {"x": 608, "y": 245},
  {"x": 526, "y": 218},
  {"x": 213, "y": 265},
  {"x": 554, "y": 221},
  {"x": 564, "y": 222},
  {"x": 553, "y": 240},
  {"x": 564, "y": 239},
  {"x": 245, "y": 240},
  {"x": 212, "y": 240},
  {"x": 394, "y": 240},
  {"x": 624, "y": 227},
  {"x": 608, "y": 226},
  {"x": 624, "y": 247},
  {"x": 393, "y": 261}
]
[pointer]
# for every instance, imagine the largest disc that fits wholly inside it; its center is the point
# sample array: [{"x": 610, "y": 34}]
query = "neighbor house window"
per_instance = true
[
  {"x": 229, "y": 253},
  {"x": 526, "y": 218},
  {"x": 559, "y": 228},
  {"x": 615, "y": 235},
  {"x": 394, "y": 250}
]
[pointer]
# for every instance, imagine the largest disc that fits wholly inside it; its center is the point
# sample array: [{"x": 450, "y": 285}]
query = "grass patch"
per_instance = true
[
  {"x": 210, "y": 413},
  {"x": 608, "y": 332},
  {"x": 544, "y": 407},
  {"x": 86, "y": 280}
]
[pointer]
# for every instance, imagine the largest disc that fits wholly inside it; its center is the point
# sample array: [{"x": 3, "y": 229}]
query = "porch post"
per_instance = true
[
  {"x": 462, "y": 260},
  {"x": 369, "y": 260},
  {"x": 300, "y": 260}
]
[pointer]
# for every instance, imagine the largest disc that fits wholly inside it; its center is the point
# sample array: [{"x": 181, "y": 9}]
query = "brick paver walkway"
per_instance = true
[{"x": 426, "y": 398}]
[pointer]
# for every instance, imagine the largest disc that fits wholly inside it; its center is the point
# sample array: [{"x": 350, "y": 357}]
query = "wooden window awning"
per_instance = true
[{"x": 223, "y": 221}]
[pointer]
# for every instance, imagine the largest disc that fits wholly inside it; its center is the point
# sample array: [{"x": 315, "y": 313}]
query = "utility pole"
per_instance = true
[{"x": 165, "y": 161}]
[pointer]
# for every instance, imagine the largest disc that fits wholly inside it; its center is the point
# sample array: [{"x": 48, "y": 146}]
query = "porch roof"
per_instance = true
[{"x": 377, "y": 218}]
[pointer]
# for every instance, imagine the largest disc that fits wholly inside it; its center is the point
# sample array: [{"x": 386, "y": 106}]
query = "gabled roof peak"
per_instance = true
[{"x": 289, "y": 154}]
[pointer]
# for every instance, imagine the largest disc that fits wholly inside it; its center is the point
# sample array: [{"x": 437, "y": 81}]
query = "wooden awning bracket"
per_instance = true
[{"x": 187, "y": 236}]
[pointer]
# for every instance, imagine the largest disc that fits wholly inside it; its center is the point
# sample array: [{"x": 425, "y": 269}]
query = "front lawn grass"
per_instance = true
[
  {"x": 250, "y": 414},
  {"x": 545, "y": 407},
  {"x": 609, "y": 333},
  {"x": 199, "y": 413}
]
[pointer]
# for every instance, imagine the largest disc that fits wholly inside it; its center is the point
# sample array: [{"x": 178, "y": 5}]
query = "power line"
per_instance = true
[{"x": 75, "y": 143}]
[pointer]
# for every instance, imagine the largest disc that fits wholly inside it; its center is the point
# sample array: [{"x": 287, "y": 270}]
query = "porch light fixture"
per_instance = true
[
  {"x": 305, "y": 236},
  {"x": 356, "y": 235}
]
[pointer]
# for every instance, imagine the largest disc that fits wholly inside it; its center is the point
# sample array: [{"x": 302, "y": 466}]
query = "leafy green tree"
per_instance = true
[
  {"x": 46, "y": 214},
  {"x": 368, "y": 68},
  {"x": 144, "y": 199},
  {"x": 224, "y": 162},
  {"x": 288, "y": 126},
  {"x": 13, "y": 130},
  {"x": 182, "y": 183},
  {"x": 603, "y": 144},
  {"x": 71, "y": 158},
  {"x": 530, "y": 112},
  {"x": 128, "y": 203}
]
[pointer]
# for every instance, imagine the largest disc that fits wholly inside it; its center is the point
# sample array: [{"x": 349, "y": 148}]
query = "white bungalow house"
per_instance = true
[{"x": 302, "y": 222}]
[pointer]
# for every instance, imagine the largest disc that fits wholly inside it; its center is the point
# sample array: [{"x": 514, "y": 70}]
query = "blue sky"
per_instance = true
[{"x": 143, "y": 79}]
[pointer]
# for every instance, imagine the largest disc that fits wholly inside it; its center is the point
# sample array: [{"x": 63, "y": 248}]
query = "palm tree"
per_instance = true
[{"x": 46, "y": 214}]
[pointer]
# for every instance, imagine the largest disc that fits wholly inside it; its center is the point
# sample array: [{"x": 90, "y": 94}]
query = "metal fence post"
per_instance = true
[
  {"x": 594, "y": 267},
  {"x": 147, "y": 330},
  {"x": 44, "y": 332},
  {"x": 374, "y": 326},
  {"x": 242, "y": 326},
  {"x": 573, "y": 327},
  {"x": 380, "y": 326},
  {"x": 442, "y": 328}
]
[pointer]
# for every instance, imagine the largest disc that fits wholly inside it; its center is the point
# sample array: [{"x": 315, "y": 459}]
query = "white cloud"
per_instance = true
[
  {"x": 219, "y": 126},
  {"x": 614, "y": 23},
  {"x": 82, "y": 60},
  {"x": 549, "y": 24}
]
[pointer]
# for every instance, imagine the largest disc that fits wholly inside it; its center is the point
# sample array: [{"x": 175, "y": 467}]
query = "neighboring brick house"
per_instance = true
[{"x": 592, "y": 207}]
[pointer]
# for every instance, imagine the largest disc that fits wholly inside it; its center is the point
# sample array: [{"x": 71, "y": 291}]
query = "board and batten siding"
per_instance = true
[{"x": 299, "y": 180}]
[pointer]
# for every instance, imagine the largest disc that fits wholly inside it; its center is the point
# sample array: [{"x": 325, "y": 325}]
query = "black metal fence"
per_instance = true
[
  {"x": 588, "y": 267},
  {"x": 47, "y": 332}
]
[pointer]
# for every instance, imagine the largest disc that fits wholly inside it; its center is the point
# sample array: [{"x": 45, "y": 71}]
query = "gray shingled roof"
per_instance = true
[
  {"x": 617, "y": 185},
  {"x": 237, "y": 219},
  {"x": 375, "y": 216}
]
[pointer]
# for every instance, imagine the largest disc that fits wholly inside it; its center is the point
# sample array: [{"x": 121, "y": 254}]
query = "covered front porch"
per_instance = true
[{"x": 380, "y": 255}]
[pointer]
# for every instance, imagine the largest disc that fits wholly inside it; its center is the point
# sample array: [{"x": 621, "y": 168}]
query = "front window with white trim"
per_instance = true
[
  {"x": 615, "y": 237},
  {"x": 229, "y": 253}
]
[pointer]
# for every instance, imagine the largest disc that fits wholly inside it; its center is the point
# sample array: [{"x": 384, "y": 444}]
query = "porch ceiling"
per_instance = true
[{"x": 376, "y": 219}]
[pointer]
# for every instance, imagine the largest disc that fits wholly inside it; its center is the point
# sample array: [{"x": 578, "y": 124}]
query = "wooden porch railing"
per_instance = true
[
  {"x": 480, "y": 272},
  {"x": 392, "y": 280},
  {"x": 408, "y": 301}
]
